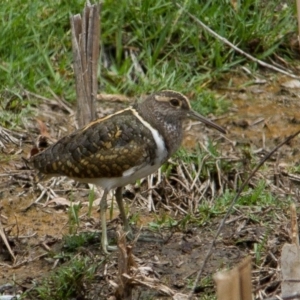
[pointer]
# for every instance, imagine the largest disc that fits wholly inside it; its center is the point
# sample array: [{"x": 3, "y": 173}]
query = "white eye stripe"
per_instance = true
[
  {"x": 161, "y": 98},
  {"x": 167, "y": 95}
]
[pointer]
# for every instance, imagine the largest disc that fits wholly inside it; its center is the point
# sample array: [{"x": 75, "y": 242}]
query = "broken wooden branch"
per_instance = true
[
  {"x": 86, "y": 49},
  {"x": 235, "y": 284},
  {"x": 290, "y": 261}
]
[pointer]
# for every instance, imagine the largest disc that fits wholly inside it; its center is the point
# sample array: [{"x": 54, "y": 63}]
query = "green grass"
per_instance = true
[
  {"x": 163, "y": 220},
  {"x": 71, "y": 280},
  {"x": 175, "y": 52},
  {"x": 73, "y": 214},
  {"x": 35, "y": 43},
  {"x": 75, "y": 241},
  {"x": 208, "y": 102},
  {"x": 257, "y": 198},
  {"x": 73, "y": 275},
  {"x": 195, "y": 158}
]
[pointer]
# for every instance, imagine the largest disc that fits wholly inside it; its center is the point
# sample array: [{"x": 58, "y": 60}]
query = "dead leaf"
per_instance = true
[
  {"x": 292, "y": 84},
  {"x": 43, "y": 128}
]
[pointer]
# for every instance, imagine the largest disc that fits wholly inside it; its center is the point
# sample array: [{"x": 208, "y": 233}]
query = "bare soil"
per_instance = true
[{"x": 262, "y": 114}]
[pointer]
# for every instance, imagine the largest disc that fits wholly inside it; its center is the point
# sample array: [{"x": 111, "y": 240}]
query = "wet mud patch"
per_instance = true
[{"x": 262, "y": 114}]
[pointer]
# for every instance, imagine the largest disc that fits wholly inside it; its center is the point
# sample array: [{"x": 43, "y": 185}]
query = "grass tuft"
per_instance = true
[
  {"x": 146, "y": 45},
  {"x": 71, "y": 281}
]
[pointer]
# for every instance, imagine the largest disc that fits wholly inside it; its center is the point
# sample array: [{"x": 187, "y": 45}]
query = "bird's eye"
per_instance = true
[{"x": 175, "y": 102}]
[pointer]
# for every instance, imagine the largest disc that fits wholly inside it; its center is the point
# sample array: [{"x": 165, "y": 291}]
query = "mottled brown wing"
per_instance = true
[{"x": 104, "y": 148}]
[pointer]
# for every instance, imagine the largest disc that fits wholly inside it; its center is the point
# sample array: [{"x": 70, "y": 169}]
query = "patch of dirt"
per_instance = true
[{"x": 37, "y": 217}]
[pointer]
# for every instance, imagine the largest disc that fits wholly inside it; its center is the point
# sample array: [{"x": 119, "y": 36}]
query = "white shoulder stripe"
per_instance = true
[{"x": 161, "y": 150}]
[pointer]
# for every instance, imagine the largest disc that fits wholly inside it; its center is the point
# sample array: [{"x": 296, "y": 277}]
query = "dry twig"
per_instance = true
[{"x": 4, "y": 239}]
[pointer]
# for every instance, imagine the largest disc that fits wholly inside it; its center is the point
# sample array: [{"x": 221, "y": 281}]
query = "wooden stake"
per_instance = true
[
  {"x": 235, "y": 284},
  {"x": 290, "y": 260},
  {"x": 86, "y": 49}
]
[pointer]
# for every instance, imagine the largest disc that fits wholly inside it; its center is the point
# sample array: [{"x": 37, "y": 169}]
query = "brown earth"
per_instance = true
[{"x": 262, "y": 113}]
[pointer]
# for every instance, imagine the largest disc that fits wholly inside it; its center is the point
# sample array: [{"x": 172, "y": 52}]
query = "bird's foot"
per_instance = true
[
  {"x": 150, "y": 238},
  {"x": 144, "y": 237},
  {"x": 129, "y": 235},
  {"x": 107, "y": 249}
]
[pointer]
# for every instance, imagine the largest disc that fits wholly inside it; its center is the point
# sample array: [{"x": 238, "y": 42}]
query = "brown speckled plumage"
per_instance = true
[
  {"x": 121, "y": 148},
  {"x": 104, "y": 148}
]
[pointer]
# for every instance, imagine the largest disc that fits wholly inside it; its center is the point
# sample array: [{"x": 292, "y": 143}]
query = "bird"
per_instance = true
[{"x": 121, "y": 148}]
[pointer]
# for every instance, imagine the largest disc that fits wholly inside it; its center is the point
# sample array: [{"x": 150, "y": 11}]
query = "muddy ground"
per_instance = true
[{"x": 36, "y": 217}]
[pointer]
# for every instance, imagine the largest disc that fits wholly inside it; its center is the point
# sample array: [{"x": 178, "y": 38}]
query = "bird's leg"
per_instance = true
[
  {"x": 119, "y": 198},
  {"x": 127, "y": 229},
  {"x": 104, "y": 242}
]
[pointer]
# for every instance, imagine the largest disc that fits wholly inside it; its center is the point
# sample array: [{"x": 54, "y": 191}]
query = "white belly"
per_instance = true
[{"x": 114, "y": 182}]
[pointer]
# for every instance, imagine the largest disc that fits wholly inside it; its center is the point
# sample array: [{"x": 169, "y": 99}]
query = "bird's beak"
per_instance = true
[{"x": 195, "y": 116}]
